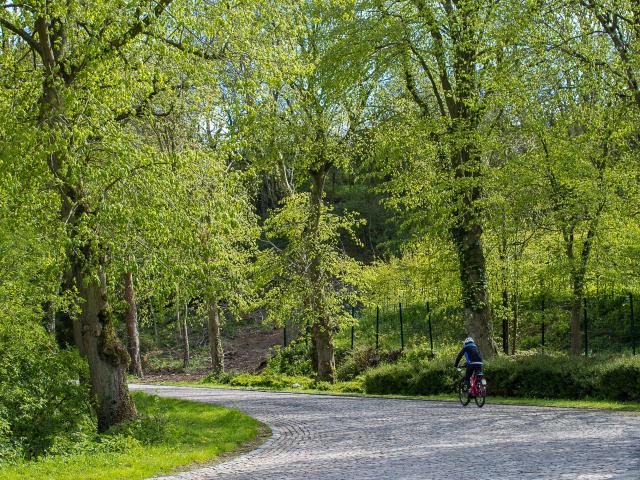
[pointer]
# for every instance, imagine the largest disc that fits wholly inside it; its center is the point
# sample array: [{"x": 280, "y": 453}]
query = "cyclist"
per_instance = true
[{"x": 473, "y": 358}]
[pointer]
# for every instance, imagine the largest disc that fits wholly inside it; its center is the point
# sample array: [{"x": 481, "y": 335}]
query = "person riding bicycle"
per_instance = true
[{"x": 473, "y": 357}]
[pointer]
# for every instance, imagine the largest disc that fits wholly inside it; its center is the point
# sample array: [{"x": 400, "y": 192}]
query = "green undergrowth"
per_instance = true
[
  {"x": 356, "y": 389},
  {"x": 603, "y": 381},
  {"x": 169, "y": 434},
  {"x": 532, "y": 376},
  {"x": 276, "y": 381}
]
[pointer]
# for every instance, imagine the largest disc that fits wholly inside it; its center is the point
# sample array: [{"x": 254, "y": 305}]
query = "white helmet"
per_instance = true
[{"x": 468, "y": 340}]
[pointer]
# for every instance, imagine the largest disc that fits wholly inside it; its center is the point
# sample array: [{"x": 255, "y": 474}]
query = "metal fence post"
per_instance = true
[
  {"x": 401, "y": 327},
  {"x": 633, "y": 324},
  {"x": 586, "y": 329},
  {"x": 377, "y": 327},
  {"x": 353, "y": 314},
  {"x": 284, "y": 331},
  {"x": 542, "y": 332},
  {"x": 430, "y": 333}
]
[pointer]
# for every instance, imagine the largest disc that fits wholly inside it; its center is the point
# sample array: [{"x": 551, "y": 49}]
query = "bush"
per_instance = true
[
  {"x": 269, "y": 380},
  {"x": 223, "y": 378},
  {"x": 620, "y": 379},
  {"x": 541, "y": 376},
  {"x": 362, "y": 359},
  {"x": 535, "y": 376},
  {"x": 389, "y": 379},
  {"x": 40, "y": 396},
  {"x": 294, "y": 359}
]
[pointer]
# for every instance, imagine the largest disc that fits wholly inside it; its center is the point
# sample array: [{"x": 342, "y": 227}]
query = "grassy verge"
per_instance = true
[
  {"x": 191, "y": 433},
  {"x": 631, "y": 407}
]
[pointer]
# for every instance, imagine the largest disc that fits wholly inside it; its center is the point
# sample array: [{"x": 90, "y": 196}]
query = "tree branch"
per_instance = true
[{"x": 22, "y": 34}]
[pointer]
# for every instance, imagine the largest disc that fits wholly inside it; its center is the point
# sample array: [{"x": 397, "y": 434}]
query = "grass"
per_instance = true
[
  {"x": 631, "y": 407},
  {"x": 194, "y": 433}
]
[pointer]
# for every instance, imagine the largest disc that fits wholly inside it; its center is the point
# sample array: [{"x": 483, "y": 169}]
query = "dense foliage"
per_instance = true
[
  {"x": 172, "y": 166},
  {"x": 531, "y": 376},
  {"x": 41, "y": 403}
]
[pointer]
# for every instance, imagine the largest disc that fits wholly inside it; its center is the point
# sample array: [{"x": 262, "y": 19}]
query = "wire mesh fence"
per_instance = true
[{"x": 607, "y": 324}]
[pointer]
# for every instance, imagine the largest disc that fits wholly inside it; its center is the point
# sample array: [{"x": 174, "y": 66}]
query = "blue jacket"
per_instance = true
[{"x": 471, "y": 354}]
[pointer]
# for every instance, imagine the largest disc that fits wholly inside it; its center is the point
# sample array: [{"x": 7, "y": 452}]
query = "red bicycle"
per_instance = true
[{"x": 477, "y": 390}]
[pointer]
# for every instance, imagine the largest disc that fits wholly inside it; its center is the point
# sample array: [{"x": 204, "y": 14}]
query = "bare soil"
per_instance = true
[{"x": 246, "y": 351}]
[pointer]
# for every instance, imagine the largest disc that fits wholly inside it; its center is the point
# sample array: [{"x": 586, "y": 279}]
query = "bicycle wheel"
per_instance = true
[
  {"x": 463, "y": 392},
  {"x": 482, "y": 396}
]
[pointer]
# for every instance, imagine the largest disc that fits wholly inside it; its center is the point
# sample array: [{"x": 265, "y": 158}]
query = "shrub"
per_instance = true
[
  {"x": 320, "y": 385},
  {"x": 535, "y": 376},
  {"x": 362, "y": 359},
  {"x": 347, "y": 370},
  {"x": 355, "y": 386},
  {"x": 540, "y": 376},
  {"x": 620, "y": 379},
  {"x": 40, "y": 395},
  {"x": 389, "y": 379},
  {"x": 223, "y": 378},
  {"x": 294, "y": 359},
  {"x": 433, "y": 378},
  {"x": 269, "y": 380}
]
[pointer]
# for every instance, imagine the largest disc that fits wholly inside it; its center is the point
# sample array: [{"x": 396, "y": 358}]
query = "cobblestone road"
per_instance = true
[{"x": 323, "y": 437}]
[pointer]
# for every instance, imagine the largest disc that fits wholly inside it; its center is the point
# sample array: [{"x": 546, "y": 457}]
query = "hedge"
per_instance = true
[{"x": 538, "y": 376}]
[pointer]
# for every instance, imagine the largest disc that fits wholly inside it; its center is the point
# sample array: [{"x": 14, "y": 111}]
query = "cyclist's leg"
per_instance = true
[{"x": 467, "y": 376}]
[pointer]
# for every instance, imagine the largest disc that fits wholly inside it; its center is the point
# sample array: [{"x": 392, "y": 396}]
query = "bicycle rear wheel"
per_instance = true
[{"x": 463, "y": 392}]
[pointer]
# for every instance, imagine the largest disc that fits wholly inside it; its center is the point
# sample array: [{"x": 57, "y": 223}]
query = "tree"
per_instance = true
[
  {"x": 133, "y": 337},
  {"x": 322, "y": 115},
  {"x": 452, "y": 58},
  {"x": 93, "y": 72}
]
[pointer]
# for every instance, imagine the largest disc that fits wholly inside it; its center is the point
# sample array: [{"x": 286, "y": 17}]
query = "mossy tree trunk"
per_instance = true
[
  {"x": 106, "y": 356},
  {"x": 321, "y": 328}
]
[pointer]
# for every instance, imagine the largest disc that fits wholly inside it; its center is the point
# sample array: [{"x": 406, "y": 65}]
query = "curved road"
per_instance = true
[{"x": 332, "y": 437}]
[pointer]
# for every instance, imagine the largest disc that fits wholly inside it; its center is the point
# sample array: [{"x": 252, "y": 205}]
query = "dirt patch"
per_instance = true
[{"x": 248, "y": 351}]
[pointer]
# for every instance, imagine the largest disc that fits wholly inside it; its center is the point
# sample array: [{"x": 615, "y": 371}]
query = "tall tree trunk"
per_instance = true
[
  {"x": 505, "y": 320},
  {"x": 94, "y": 332},
  {"x": 324, "y": 346},
  {"x": 106, "y": 356},
  {"x": 215, "y": 339},
  {"x": 574, "y": 321},
  {"x": 133, "y": 337},
  {"x": 473, "y": 277},
  {"x": 152, "y": 311},
  {"x": 184, "y": 334},
  {"x": 515, "y": 307},
  {"x": 505, "y": 288},
  {"x": 578, "y": 275},
  {"x": 321, "y": 328}
]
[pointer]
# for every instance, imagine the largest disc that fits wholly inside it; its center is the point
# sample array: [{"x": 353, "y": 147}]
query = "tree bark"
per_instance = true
[
  {"x": 133, "y": 337},
  {"x": 505, "y": 321},
  {"x": 505, "y": 288},
  {"x": 184, "y": 335},
  {"x": 575, "y": 324},
  {"x": 515, "y": 307},
  {"x": 473, "y": 278},
  {"x": 215, "y": 339},
  {"x": 321, "y": 328},
  {"x": 324, "y": 346},
  {"x": 578, "y": 275},
  {"x": 106, "y": 356}
]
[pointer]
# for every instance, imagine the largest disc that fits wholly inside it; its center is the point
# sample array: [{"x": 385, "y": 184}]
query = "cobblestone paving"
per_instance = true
[{"x": 328, "y": 437}]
